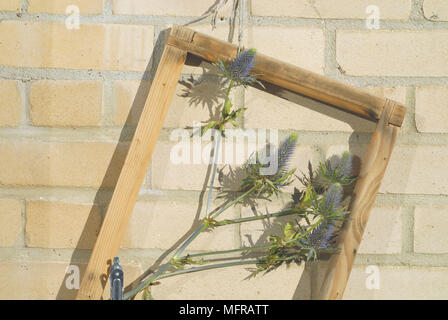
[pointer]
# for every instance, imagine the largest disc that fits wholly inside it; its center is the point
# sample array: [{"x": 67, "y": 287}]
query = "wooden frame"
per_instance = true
[{"x": 387, "y": 114}]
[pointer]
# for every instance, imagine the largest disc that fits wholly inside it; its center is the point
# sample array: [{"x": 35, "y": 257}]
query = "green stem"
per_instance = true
[
  {"x": 208, "y": 267},
  {"x": 318, "y": 222},
  {"x": 189, "y": 240},
  {"x": 212, "y": 180},
  {"x": 215, "y": 164},
  {"x": 209, "y": 253},
  {"x": 235, "y": 201},
  {"x": 254, "y": 218}
]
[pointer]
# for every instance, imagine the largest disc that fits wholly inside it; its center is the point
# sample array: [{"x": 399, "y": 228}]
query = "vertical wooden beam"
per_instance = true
[
  {"x": 134, "y": 168},
  {"x": 364, "y": 195}
]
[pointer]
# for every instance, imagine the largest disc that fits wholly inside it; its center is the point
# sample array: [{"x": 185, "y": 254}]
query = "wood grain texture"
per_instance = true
[
  {"x": 134, "y": 169},
  {"x": 364, "y": 195},
  {"x": 340, "y": 95}
]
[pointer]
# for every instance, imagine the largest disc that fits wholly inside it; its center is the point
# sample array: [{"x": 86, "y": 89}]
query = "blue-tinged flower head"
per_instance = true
[
  {"x": 342, "y": 165},
  {"x": 282, "y": 155},
  {"x": 322, "y": 236},
  {"x": 286, "y": 151},
  {"x": 332, "y": 198},
  {"x": 240, "y": 67}
]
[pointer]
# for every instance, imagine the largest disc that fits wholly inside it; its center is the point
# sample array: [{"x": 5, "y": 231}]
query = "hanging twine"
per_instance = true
[{"x": 213, "y": 11}]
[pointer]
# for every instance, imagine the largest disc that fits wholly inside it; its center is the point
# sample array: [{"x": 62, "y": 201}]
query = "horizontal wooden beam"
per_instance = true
[{"x": 304, "y": 82}]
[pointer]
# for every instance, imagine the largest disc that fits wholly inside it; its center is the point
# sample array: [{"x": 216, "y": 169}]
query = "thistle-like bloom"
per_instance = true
[
  {"x": 238, "y": 69},
  {"x": 343, "y": 165},
  {"x": 242, "y": 65},
  {"x": 332, "y": 198},
  {"x": 282, "y": 154},
  {"x": 285, "y": 152},
  {"x": 263, "y": 174},
  {"x": 322, "y": 236}
]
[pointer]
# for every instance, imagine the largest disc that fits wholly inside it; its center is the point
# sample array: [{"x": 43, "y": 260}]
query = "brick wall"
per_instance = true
[{"x": 69, "y": 100}]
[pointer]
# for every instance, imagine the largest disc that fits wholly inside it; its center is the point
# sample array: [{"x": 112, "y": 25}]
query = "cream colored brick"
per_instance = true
[
  {"x": 10, "y": 5},
  {"x": 336, "y": 9},
  {"x": 94, "y": 46},
  {"x": 60, "y": 6},
  {"x": 399, "y": 283},
  {"x": 166, "y": 174},
  {"x": 62, "y": 225},
  {"x": 47, "y": 280},
  {"x": 417, "y": 170},
  {"x": 66, "y": 103},
  {"x": 395, "y": 283},
  {"x": 231, "y": 283},
  {"x": 435, "y": 10},
  {"x": 430, "y": 228},
  {"x": 34, "y": 280},
  {"x": 11, "y": 226},
  {"x": 161, "y": 8},
  {"x": 188, "y": 104},
  {"x": 302, "y": 47},
  {"x": 161, "y": 224},
  {"x": 430, "y": 109},
  {"x": 383, "y": 232},
  {"x": 10, "y": 103},
  {"x": 60, "y": 164},
  {"x": 393, "y": 53}
]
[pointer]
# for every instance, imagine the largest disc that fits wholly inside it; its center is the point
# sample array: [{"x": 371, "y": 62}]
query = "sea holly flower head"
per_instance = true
[
  {"x": 321, "y": 237},
  {"x": 238, "y": 69},
  {"x": 336, "y": 170},
  {"x": 332, "y": 198},
  {"x": 271, "y": 183}
]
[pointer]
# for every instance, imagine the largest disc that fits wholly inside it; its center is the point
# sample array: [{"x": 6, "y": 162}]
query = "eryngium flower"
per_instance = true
[
  {"x": 242, "y": 65},
  {"x": 282, "y": 154},
  {"x": 343, "y": 165},
  {"x": 266, "y": 176},
  {"x": 285, "y": 152},
  {"x": 239, "y": 69},
  {"x": 332, "y": 198},
  {"x": 322, "y": 236}
]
